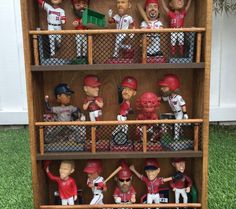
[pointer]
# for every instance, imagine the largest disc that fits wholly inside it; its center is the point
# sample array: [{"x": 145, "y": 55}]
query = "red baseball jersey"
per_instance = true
[
  {"x": 177, "y": 19},
  {"x": 124, "y": 108},
  {"x": 93, "y": 106},
  {"x": 182, "y": 183},
  {"x": 66, "y": 188},
  {"x": 125, "y": 197},
  {"x": 152, "y": 186}
]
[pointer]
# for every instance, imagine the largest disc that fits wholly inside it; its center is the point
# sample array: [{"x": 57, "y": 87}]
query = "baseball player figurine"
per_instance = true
[
  {"x": 152, "y": 12},
  {"x": 177, "y": 14},
  {"x": 65, "y": 112},
  {"x": 129, "y": 88},
  {"x": 93, "y": 103},
  {"x": 81, "y": 39},
  {"x": 124, "y": 192},
  {"x": 55, "y": 17},
  {"x": 182, "y": 185},
  {"x": 93, "y": 169},
  {"x": 170, "y": 92},
  {"x": 66, "y": 184},
  {"x": 123, "y": 21},
  {"x": 153, "y": 182}
]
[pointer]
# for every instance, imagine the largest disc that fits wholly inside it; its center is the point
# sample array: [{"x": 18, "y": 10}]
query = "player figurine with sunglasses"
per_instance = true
[
  {"x": 124, "y": 192},
  {"x": 153, "y": 182}
]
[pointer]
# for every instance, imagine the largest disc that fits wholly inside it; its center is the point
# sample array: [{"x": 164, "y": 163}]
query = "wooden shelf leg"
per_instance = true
[
  {"x": 199, "y": 44},
  {"x": 41, "y": 139},
  {"x": 36, "y": 49},
  {"x": 144, "y": 138},
  {"x": 144, "y": 49},
  {"x": 93, "y": 139},
  {"x": 90, "y": 49},
  {"x": 196, "y": 136}
]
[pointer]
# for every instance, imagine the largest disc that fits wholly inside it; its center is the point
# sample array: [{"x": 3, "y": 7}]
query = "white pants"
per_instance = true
[
  {"x": 178, "y": 116},
  {"x": 53, "y": 39},
  {"x": 154, "y": 45},
  {"x": 153, "y": 198},
  {"x": 95, "y": 114},
  {"x": 183, "y": 194},
  {"x": 177, "y": 36},
  {"x": 119, "y": 39},
  {"x": 69, "y": 201},
  {"x": 81, "y": 44},
  {"x": 97, "y": 200}
]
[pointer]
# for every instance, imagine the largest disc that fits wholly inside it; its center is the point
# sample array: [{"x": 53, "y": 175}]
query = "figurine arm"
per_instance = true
[
  {"x": 63, "y": 17},
  {"x": 166, "y": 9},
  {"x": 40, "y": 2},
  {"x": 132, "y": 168},
  {"x": 184, "y": 112},
  {"x": 51, "y": 176},
  {"x": 74, "y": 190},
  {"x": 167, "y": 179},
  {"x": 46, "y": 100},
  {"x": 133, "y": 198},
  {"x": 188, "y": 5},
  {"x": 99, "y": 102},
  {"x": 85, "y": 105},
  {"x": 189, "y": 184},
  {"x": 110, "y": 18}
]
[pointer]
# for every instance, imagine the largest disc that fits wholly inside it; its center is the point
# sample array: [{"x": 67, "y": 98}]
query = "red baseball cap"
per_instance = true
[
  {"x": 92, "y": 81},
  {"x": 93, "y": 166},
  {"x": 125, "y": 172},
  {"x": 177, "y": 160},
  {"x": 150, "y": 2},
  {"x": 129, "y": 82}
]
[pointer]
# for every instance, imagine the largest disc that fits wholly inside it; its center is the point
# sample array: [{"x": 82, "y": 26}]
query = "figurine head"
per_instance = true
[
  {"x": 91, "y": 85},
  {"x": 79, "y": 7},
  {"x": 66, "y": 169},
  {"x": 176, "y": 4},
  {"x": 124, "y": 177},
  {"x": 93, "y": 169},
  {"x": 56, "y": 2},
  {"x": 123, "y": 6},
  {"x": 63, "y": 93},
  {"x": 152, "y": 9},
  {"x": 152, "y": 168},
  {"x": 129, "y": 85},
  {"x": 179, "y": 164},
  {"x": 169, "y": 84},
  {"x": 148, "y": 102}
]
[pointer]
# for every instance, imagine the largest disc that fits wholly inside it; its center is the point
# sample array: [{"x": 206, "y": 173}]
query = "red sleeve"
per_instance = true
[
  {"x": 74, "y": 187},
  {"x": 40, "y": 2},
  {"x": 172, "y": 184},
  {"x": 52, "y": 177},
  {"x": 132, "y": 190},
  {"x": 189, "y": 181},
  {"x": 170, "y": 14},
  {"x": 99, "y": 99}
]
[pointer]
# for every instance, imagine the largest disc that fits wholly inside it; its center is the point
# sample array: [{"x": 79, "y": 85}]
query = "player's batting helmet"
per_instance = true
[
  {"x": 151, "y": 164},
  {"x": 62, "y": 88},
  {"x": 125, "y": 172},
  {"x": 129, "y": 82},
  {"x": 171, "y": 81},
  {"x": 93, "y": 166},
  {"x": 150, "y": 2}
]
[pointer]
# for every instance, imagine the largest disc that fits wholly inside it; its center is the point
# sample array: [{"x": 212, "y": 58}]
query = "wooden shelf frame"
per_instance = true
[
  {"x": 195, "y": 122},
  {"x": 91, "y": 33},
  {"x": 168, "y": 205}
]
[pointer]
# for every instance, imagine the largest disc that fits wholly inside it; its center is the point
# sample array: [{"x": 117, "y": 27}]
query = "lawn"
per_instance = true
[{"x": 15, "y": 172}]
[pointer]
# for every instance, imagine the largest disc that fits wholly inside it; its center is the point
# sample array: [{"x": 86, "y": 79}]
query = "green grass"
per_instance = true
[{"x": 15, "y": 170}]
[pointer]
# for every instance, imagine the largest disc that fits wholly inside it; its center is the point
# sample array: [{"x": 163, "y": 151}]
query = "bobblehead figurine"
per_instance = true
[
  {"x": 93, "y": 169},
  {"x": 177, "y": 13},
  {"x": 64, "y": 112},
  {"x": 66, "y": 184},
  {"x": 81, "y": 39},
  {"x": 153, "y": 182},
  {"x": 55, "y": 18},
  {"x": 129, "y": 88},
  {"x": 170, "y": 92},
  {"x": 124, "y": 192},
  {"x": 93, "y": 103},
  {"x": 152, "y": 13},
  {"x": 182, "y": 185},
  {"x": 123, "y": 21}
]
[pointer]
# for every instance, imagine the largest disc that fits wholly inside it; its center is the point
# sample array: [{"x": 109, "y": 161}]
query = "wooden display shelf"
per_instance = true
[
  {"x": 168, "y": 205},
  {"x": 40, "y": 68},
  {"x": 117, "y": 155}
]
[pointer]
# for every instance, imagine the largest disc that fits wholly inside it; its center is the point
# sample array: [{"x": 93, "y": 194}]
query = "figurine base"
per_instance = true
[
  {"x": 65, "y": 146},
  {"x": 156, "y": 59},
  {"x": 177, "y": 145},
  {"x": 119, "y": 61},
  {"x": 121, "y": 148},
  {"x": 101, "y": 145},
  {"x": 79, "y": 60},
  {"x": 181, "y": 60}
]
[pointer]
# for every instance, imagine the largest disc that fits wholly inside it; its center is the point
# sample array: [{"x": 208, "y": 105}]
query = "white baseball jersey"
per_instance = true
[
  {"x": 176, "y": 102},
  {"x": 64, "y": 112},
  {"x": 54, "y": 15},
  {"x": 123, "y": 22},
  {"x": 155, "y": 24},
  {"x": 96, "y": 191}
]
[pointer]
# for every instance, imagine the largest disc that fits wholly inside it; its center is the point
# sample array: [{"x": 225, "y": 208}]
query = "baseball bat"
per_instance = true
[
  {"x": 142, "y": 12},
  {"x": 113, "y": 174}
]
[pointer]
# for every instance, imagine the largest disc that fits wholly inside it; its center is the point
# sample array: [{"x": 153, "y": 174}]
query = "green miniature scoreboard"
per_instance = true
[{"x": 94, "y": 18}]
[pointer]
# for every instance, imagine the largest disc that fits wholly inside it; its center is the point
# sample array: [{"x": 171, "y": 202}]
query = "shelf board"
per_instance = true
[
  {"x": 117, "y": 155},
  {"x": 137, "y": 66}
]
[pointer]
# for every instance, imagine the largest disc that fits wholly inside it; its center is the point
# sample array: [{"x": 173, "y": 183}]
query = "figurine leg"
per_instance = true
[
  {"x": 69, "y": 201},
  {"x": 184, "y": 195},
  {"x": 118, "y": 44},
  {"x": 177, "y": 194},
  {"x": 174, "y": 37},
  {"x": 97, "y": 199},
  {"x": 52, "y": 44},
  {"x": 85, "y": 46},
  {"x": 153, "y": 48},
  {"x": 181, "y": 42},
  {"x": 177, "y": 127}
]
